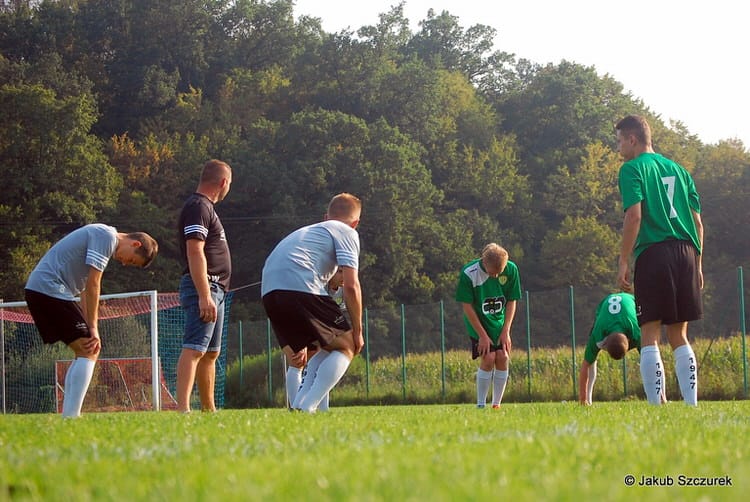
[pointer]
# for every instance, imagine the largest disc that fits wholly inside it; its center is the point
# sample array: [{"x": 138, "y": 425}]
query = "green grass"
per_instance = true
[{"x": 532, "y": 451}]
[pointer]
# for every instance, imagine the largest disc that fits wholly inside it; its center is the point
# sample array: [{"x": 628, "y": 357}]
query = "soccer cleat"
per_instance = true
[
  {"x": 480, "y": 406},
  {"x": 495, "y": 406}
]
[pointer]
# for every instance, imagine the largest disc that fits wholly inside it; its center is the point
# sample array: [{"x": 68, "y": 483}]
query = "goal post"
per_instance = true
[{"x": 129, "y": 326}]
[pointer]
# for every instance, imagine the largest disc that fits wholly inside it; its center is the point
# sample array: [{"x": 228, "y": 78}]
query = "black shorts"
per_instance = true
[
  {"x": 56, "y": 320},
  {"x": 475, "y": 348},
  {"x": 667, "y": 286},
  {"x": 301, "y": 319}
]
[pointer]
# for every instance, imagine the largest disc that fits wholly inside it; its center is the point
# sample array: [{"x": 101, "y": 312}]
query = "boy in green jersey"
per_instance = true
[
  {"x": 488, "y": 289},
  {"x": 663, "y": 233},
  {"x": 616, "y": 331}
]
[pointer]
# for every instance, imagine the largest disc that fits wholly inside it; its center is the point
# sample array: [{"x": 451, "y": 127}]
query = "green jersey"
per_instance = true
[
  {"x": 615, "y": 314},
  {"x": 488, "y": 295},
  {"x": 668, "y": 195}
]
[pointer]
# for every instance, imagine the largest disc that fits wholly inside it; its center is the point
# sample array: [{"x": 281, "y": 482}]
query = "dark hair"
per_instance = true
[
  {"x": 637, "y": 126},
  {"x": 148, "y": 249},
  {"x": 616, "y": 344}
]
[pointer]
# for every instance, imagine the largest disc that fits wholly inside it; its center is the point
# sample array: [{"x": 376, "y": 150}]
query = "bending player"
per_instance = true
[
  {"x": 302, "y": 313},
  {"x": 298, "y": 368},
  {"x": 615, "y": 331},
  {"x": 488, "y": 290},
  {"x": 73, "y": 266}
]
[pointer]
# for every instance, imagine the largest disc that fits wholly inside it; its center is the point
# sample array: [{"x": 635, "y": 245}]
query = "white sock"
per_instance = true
[
  {"x": 293, "y": 381},
  {"x": 484, "y": 378},
  {"x": 652, "y": 373},
  {"x": 592, "y": 379},
  {"x": 77, "y": 382},
  {"x": 328, "y": 375},
  {"x": 686, "y": 368},
  {"x": 499, "y": 379},
  {"x": 308, "y": 375},
  {"x": 323, "y": 406}
]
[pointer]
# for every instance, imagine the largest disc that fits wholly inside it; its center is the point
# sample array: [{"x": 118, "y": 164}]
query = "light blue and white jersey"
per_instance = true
[
  {"x": 63, "y": 270},
  {"x": 306, "y": 259}
]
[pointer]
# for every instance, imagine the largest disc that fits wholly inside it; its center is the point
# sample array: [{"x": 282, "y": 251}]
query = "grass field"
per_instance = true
[{"x": 534, "y": 451}]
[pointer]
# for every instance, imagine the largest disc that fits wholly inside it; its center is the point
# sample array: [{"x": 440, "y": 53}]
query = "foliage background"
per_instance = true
[{"x": 111, "y": 107}]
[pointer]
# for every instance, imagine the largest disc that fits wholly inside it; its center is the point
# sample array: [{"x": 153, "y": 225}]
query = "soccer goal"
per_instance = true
[{"x": 128, "y": 376}]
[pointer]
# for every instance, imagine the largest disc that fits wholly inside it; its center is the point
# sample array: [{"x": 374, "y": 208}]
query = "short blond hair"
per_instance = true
[
  {"x": 344, "y": 207},
  {"x": 495, "y": 255},
  {"x": 214, "y": 171}
]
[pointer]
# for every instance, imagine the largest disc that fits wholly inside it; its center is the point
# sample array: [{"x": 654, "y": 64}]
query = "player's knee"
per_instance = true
[{"x": 343, "y": 343}]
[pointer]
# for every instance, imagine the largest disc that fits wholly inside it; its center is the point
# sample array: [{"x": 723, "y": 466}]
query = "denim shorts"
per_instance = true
[{"x": 199, "y": 335}]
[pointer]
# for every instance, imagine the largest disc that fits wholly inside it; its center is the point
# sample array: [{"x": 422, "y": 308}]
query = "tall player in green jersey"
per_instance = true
[
  {"x": 488, "y": 289},
  {"x": 663, "y": 233}
]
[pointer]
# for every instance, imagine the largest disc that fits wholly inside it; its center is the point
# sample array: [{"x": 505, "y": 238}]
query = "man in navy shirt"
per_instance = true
[{"x": 205, "y": 280}]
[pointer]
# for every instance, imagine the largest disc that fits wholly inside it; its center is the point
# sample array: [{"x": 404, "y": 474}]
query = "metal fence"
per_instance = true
[{"x": 556, "y": 318}]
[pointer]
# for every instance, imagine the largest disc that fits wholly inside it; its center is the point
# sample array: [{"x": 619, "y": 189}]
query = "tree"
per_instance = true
[
  {"x": 558, "y": 112},
  {"x": 55, "y": 171},
  {"x": 722, "y": 178},
  {"x": 582, "y": 252},
  {"x": 286, "y": 180},
  {"x": 588, "y": 189},
  {"x": 444, "y": 44}
]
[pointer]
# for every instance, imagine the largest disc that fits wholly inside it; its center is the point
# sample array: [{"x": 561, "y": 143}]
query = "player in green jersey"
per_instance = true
[
  {"x": 663, "y": 233},
  {"x": 488, "y": 289}
]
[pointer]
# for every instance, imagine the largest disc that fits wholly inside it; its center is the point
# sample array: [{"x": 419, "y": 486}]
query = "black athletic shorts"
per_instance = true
[
  {"x": 301, "y": 319},
  {"x": 475, "y": 348},
  {"x": 56, "y": 320},
  {"x": 667, "y": 286}
]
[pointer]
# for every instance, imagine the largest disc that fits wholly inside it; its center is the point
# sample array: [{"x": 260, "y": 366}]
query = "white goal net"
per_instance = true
[{"x": 128, "y": 376}]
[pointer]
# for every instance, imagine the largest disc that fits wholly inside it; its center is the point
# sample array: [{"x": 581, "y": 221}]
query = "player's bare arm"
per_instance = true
[
  {"x": 484, "y": 340},
  {"x": 699, "y": 229},
  {"x": 199, "y": 273},
  {"x": 630, "y": 227},
  {"x": 583, "y": 383},
  {"x": 353, "y": 300},
  {"x": 90, "y": 307},
  {"x": 510, "y": 314}
]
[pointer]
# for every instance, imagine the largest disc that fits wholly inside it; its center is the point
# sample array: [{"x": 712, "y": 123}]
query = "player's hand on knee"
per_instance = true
[
  {"x": 93, "y": 344},
  {"x": 359, "y": 342},
  {"x": 299, "y": 359},
  {"x": 505, "y": 342},
  {"x": 483, "y": 347}
]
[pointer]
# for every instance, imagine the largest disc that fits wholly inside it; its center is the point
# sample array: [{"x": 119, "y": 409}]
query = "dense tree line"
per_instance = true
[{"x": 110, "y": 107}]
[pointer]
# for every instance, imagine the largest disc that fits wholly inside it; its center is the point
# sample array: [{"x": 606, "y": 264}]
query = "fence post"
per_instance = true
[
  {"x": 442, "y": 346},
  {"x": 268, "y": 358},
  {"x": 241, "y": 356},
  {"x": 528, "y": 343},
  {"x": 573, "y": 337},
  {"x": 2, "y": 354},
  {"x": 367, "y": 355},
  {"x": 403, "y": 353},
  {"x": 741, "y": 287}
]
